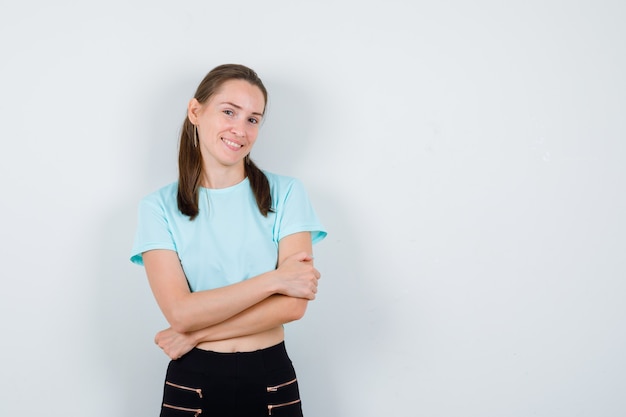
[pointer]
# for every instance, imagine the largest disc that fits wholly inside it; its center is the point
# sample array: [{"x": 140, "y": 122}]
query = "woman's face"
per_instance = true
[{"x": 228, "y": 123}]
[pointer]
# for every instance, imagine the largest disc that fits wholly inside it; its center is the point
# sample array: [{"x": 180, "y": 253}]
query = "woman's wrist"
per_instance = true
[
  {"x": 273, "y": 283},
  {"x": 199, "y": 336}
]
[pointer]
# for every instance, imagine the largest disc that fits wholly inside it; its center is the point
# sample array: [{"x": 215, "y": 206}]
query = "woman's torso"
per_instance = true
[
  {"x": 246, "y": 343},
  {"x": 229, "y": 241}
]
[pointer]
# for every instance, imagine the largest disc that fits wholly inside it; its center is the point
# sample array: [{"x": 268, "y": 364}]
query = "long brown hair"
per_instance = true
[{"x": 190, "y": 159}]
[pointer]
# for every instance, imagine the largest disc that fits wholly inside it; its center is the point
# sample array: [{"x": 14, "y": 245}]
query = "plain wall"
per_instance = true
[{"x": 467, "y": 158}]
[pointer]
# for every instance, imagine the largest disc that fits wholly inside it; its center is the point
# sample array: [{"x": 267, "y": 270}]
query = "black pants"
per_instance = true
[{"x": 246, "y": 384}]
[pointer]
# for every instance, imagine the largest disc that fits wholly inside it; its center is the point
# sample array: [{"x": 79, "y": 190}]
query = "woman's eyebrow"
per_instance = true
[{"x": 240, "y": 108}]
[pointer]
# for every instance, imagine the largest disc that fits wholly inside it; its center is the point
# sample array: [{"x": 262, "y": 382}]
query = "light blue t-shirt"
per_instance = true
[{"x": 230, "y": 240}]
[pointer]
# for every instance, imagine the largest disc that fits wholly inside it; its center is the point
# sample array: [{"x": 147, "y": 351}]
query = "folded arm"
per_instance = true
[
  {"x": 187, "y": 312},
  {"x": 265, "y": 315}
]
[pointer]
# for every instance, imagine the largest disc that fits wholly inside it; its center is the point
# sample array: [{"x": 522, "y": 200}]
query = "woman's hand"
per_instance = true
[
  {"x": 297, "y": 277},
  {"x": 174, "y": 344}
]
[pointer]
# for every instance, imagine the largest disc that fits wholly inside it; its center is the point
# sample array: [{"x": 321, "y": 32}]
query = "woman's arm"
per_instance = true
[
  {"x": 265, "y": 315},
  {"x": 187, "y": 312}
]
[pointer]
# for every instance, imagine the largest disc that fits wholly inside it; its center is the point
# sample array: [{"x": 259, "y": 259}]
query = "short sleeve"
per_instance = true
[
  {"x": 296, "y": 213},
  {"x": 153, "y": 231}
]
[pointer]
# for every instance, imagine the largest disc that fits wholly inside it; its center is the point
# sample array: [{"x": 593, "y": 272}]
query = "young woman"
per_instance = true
[{"x": 228, "y": 253}]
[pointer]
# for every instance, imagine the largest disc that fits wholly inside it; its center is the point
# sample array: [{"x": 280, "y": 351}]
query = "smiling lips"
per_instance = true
[{"x": 232, "y": 145}]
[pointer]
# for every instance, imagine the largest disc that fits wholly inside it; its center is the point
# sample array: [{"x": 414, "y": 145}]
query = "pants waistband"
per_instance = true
[{"x": 255, "y": 362}]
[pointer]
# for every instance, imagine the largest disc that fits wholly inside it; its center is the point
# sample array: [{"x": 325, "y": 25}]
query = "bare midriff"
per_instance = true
[{"x": 248, "y": 343}]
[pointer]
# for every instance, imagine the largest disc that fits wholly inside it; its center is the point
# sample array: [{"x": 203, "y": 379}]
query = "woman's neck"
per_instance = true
[{"x": 222, "y": 177}]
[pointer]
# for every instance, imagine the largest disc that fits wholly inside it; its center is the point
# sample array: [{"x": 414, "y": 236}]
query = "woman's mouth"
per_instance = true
[{"x": 232, "y": 145}]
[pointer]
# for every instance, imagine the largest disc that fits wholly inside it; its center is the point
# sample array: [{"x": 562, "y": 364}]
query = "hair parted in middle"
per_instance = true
[{"x": 190, "y": 158}]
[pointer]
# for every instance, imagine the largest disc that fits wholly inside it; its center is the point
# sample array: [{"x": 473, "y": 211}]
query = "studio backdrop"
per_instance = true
[{"x": 467, "y": 158}]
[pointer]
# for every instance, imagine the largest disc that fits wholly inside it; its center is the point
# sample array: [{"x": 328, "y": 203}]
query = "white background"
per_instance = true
[{"x": 467, "y": 158}]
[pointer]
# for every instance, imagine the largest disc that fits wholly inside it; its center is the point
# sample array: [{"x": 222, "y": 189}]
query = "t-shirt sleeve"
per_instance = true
[
  {"x": 153, "y": 231},
  {"x": 296, "y": 214}
]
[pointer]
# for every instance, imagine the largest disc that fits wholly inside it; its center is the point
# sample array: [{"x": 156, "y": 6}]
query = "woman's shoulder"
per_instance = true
[
  {"x": 285, "y": 187},
  {"x": 164, "y": 195},
  {"x": 280, "y": 181}
]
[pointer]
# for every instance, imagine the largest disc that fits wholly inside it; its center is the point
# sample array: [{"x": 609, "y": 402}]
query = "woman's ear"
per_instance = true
[{"x": 193, "y": 110}]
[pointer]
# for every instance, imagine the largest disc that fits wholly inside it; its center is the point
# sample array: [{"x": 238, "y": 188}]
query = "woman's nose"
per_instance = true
[{"x": 238, "y": 128}]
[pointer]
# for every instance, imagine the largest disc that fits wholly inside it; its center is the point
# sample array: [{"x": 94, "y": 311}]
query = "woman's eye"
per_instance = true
[
  {"x": 228, "y": 112},
  {"x": 253, "y": 120}
]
